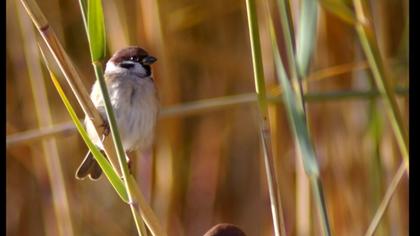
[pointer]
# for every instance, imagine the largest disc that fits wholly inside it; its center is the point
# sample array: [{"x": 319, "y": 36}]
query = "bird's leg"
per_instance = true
[
  {"x": 107, "y": 130},
  {"x": 129, "y": 166}
]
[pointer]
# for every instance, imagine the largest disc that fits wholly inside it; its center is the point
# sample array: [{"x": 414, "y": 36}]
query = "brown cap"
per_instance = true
[{"x": 127, "y": 53}]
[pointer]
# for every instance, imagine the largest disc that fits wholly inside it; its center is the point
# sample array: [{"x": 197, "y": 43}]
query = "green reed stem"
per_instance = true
[
  {"x": 120, "y": 150},
  {"x": 276, "y": 210},
  {"x": 370, "y": 48}
]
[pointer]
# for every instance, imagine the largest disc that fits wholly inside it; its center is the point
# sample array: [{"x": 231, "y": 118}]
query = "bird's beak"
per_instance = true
[{"x": 148, "y": 60}]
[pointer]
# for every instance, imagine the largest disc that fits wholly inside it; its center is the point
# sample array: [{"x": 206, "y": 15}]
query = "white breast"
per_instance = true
[{"x": 135, "y": 105}]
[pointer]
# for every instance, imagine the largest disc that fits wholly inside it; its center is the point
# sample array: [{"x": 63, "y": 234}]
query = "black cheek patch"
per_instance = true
[
  {"x": 126, "y": 65},
  {"x": 148, "y": 70}
]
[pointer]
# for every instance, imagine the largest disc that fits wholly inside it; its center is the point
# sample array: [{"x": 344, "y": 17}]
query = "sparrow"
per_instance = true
[
  {"x": 134, "y": 100},
  {"x": 225, "y": 229}
]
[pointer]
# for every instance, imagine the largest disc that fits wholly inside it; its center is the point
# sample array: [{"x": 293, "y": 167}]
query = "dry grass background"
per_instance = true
[{"x": 207, "y": 166}]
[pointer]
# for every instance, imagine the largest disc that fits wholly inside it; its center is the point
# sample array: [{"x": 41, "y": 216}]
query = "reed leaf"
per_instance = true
[
  {"x": 295, "y": 114},
  {"x": 293, "y": 100},
  {"x": 296, "y": 118},
  {"x": 112, "y": 176},
  {"x": 96, "y": 29},
  {"x": 306, "y": 35}
]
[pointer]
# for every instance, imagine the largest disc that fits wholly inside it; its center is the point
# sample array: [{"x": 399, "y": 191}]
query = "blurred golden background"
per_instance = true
[{"x": 207, "y": 165}]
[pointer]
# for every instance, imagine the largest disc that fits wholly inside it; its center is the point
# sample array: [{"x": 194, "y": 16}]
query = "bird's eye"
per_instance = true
[{"x": 134, "y": 59}]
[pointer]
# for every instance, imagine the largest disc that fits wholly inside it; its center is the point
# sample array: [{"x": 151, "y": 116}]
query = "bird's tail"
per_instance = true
[{"x": 89, "y": 167}]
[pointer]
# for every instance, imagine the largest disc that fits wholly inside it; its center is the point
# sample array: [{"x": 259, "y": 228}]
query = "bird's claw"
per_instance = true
[
  {"x": 106, "y": 128},
  {"x": 129, "y": 166}
]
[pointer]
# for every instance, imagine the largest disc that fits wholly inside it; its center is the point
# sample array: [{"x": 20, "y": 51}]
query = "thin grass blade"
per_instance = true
[
  {"x": 296, "y": 117},
  {"x": 371, "y": 50},
  {"x": 386, "y": 200},
  {"x": 276, "y": 209},
  {"x": 83, "y": 10},
  {"x": 306, "y": 37}
]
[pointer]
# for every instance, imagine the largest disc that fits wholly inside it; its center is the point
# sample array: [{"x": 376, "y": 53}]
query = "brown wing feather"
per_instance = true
[
  {"x": 95, "y": 171},
  {"x": 84, "y": 168}
]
